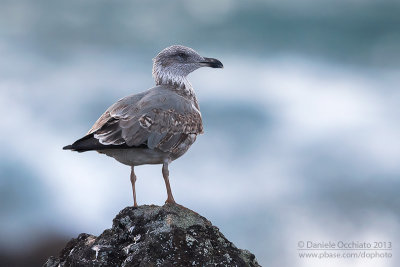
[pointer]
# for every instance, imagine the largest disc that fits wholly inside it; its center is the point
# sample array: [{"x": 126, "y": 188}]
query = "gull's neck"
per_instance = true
[{"x": 178, "y": 82}]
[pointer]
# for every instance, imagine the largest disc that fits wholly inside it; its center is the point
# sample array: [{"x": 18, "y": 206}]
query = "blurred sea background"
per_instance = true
[{"x": 302, "y": 132}]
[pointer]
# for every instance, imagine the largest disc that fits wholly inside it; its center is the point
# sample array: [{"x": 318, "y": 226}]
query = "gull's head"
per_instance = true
[{"x": 174, "y": 63}]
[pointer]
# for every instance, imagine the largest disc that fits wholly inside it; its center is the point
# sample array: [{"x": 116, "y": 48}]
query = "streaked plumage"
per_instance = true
[{"x": 156, "y": 126}]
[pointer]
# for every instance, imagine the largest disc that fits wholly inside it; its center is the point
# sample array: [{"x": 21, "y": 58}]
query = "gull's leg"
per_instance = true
[
  {"x": 165, "y": 173},
  {"x": 133, "y": 180}
]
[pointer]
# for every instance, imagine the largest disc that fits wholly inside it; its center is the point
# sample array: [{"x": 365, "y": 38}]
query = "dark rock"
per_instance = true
[{"x": 170, "y": 235}]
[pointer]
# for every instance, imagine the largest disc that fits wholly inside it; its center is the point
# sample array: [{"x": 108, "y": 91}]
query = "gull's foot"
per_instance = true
[{"x": 170, "y": 201}]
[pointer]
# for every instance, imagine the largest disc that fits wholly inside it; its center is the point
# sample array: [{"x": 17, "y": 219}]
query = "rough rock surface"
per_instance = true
[{"x": 170, "y": 235}]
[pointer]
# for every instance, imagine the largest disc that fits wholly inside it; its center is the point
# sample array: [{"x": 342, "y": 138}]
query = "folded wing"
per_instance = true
[{"x": 157, "y": 118}]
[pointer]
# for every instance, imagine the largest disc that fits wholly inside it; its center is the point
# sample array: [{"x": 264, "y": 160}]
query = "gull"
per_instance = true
[{"x": 156, "y": 126}]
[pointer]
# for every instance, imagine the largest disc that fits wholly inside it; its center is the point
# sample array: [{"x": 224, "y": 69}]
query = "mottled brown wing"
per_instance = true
[
  {"x": 117, "y": 110},
  {"x": 159, "y": 119}
]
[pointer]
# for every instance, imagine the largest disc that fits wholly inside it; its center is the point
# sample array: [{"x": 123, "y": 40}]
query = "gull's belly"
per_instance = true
[
  {"x": 141, "y": 156},
  {"x": 137, "y": 156}
]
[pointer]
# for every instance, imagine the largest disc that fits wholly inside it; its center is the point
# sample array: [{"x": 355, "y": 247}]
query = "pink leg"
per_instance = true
[
  {"x": 165, "y": 173},
  {"x": 133, "y": 180}
]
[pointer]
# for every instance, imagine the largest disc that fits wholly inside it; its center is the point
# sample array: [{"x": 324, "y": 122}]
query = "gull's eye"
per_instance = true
[{"x": 182, "y": 55}]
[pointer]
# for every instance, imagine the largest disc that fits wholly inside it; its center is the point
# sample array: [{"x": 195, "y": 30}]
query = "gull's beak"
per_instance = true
[{"x": 211, "y": 62}]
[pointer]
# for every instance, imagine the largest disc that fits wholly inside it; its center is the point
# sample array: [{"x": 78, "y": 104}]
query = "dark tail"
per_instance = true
[
  {"x": 69, "y": 147},
  {"x": 86, "y": 143}
]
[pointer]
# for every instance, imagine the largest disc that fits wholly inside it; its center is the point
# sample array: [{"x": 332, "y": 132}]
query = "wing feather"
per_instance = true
[{"x": 157, "y": 118}]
